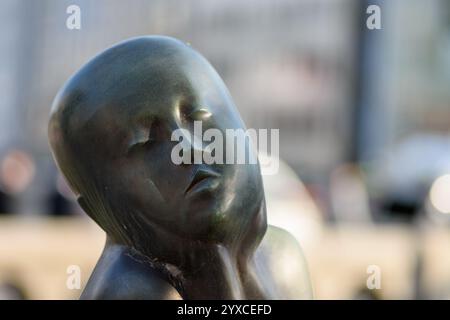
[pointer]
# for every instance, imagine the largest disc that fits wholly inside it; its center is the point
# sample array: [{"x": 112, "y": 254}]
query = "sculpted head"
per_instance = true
[{"x": 110, "y": 132}]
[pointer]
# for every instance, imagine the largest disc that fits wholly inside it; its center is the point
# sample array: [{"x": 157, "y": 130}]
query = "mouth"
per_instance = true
[{"x": 203, "y": 180}]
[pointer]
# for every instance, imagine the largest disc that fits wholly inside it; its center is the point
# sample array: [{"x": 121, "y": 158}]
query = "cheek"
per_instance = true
[
  {"x": 135, "y": 188},
  {"x": 248, "y": 187},
  {"x": 154, "y": 166}
]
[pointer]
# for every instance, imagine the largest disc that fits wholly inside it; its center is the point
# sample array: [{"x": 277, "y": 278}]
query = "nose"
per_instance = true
[{"x": 192, "y": 144}]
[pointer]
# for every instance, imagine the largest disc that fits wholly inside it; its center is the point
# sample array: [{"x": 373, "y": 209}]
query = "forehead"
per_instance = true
[{"x": 149, "y": 78}]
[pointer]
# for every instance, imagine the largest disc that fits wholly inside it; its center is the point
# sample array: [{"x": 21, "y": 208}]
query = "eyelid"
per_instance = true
[{"x": 141, "y": 137}]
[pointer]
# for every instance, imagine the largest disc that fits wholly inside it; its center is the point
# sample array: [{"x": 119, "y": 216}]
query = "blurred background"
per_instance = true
[{"x": 364, "y": 119}]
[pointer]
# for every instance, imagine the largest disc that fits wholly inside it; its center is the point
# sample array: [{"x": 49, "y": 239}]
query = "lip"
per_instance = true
[{"x": 202, "y": 180}]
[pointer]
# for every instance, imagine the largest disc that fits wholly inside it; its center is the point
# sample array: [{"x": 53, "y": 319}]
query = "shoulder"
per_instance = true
[
  {"x": 287, "y": 263},
  {"x": 119, "y": 275}
]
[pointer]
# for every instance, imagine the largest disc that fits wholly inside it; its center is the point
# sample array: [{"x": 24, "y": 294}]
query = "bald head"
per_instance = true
[
  {"x": 137, "y": 80},
  {"x": 110, "y": 132},
  {"x": 152, "y": 72}
]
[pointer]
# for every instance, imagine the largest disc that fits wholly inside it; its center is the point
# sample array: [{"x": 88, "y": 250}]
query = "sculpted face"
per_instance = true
[{"x": 115, "y": 118}]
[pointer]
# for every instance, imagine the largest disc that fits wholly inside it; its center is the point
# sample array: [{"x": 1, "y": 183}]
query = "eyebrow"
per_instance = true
[{"x": 202, "y": 109}]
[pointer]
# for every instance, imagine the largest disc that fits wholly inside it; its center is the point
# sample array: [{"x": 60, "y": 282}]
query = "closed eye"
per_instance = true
[
  {"x": 135, "y": 147},
  {"x": 141, "y": 137}
]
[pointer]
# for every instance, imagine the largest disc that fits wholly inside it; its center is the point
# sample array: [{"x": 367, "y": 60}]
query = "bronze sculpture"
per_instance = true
[{"x": 173, "y": 231}]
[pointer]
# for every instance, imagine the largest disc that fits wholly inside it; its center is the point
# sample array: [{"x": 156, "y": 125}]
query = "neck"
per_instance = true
[{"x": 206, "y": 270}]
